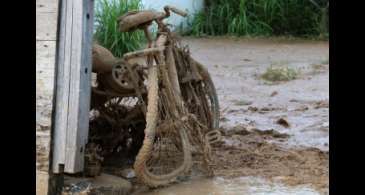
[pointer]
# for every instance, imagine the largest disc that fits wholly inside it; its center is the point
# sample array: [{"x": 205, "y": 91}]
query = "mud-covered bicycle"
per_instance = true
[{"x": 173, "y": 97}]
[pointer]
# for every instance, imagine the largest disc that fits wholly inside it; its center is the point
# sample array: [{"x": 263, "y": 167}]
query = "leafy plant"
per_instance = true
[
  {"x": 262, "y": 17},
  {"x": 106, "y": 27}
]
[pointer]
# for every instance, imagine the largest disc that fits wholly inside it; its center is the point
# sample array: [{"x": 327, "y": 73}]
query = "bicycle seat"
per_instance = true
[{"x": 133, "y": 20}]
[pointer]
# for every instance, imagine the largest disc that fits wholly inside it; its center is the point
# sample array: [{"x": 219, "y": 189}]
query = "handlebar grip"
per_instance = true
[{"x": 176, "y": 11}]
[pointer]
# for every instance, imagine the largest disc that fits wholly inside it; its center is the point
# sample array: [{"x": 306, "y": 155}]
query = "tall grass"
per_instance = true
[
  {"x": 262, "y": 17},
  {"x": 106, "y": 27}
]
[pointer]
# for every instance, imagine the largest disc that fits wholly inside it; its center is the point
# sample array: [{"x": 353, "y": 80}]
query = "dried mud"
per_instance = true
[{"x": 245, "y": 152}]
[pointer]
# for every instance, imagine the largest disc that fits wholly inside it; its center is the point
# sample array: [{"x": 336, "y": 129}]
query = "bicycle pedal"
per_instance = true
[{"x": 213, "y": 136}]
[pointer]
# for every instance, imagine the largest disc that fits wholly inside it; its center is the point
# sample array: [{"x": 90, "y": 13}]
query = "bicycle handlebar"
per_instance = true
[
  {"x": 143, "y": 52},
  {"x": 168, "y": 8}
]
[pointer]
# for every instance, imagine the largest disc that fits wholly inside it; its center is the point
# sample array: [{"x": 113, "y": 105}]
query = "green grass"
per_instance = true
[
  {"x": 279, "y": 74},
  {"x": 106, "y": 27},
  {"x": 306, "y": 18}
]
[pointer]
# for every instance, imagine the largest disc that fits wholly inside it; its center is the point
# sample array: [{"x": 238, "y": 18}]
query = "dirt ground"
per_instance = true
[{"x": 274, "y": 130}]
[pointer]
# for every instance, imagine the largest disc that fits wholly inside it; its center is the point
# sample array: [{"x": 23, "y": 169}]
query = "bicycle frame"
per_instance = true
[{"x": 161, "y": 51}]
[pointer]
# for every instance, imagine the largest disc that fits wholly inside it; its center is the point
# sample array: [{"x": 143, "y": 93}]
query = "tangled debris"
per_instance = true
[{"x": 114, "y": 139}]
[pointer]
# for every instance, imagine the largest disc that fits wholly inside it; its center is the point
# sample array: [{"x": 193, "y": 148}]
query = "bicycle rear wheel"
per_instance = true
[
  {"x": 208, "y": 94},
  {"x": 198, "y": 90}
]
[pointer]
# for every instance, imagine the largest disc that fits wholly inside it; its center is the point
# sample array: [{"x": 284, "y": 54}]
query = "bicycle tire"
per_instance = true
[
  {"x": 144, "y": 175},
  {"x": 208, "y": 82}
]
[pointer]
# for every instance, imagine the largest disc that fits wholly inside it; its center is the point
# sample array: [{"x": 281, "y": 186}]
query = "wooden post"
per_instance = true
[{"x": 73, "y": 85}]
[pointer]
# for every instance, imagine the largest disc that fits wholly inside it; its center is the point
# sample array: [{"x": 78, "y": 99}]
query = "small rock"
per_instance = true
[
  {"x": 266, "y": 110},
  {"x": 109, "y": 184},
  {"x": 283, "y": 122},
  {"x": 274, "y": 94},
  {"x": 272, "y": 132},
  {"x": 321, "y": 104},
  {"x": 232, "y": 111},
  {"x": 253, "y": 109},
  {"x": 183, "y": 178},
  {"x": 324, "y": 127},
  {"x": 223, "y": 119},
  {"x": 236, "y": 130},
  {"x": 242, "y": 103},
  {"x": 325, "y": 124},
  {"x": 302, "y": 108},
  {"x": 128, "y": 173}
]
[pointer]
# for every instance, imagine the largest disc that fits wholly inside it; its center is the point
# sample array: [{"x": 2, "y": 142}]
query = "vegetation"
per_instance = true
[
  {"x": 280, "y": 74},
  {"x": 262, "y": 17},
  {"x": 106, "y": 27}
]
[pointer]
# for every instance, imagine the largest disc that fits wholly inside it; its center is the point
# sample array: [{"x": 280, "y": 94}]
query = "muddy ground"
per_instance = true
[
  {"x": 273, "y": 130},
  {"x": 275, "y": 134},
  {"x": 246, "y": 99}
]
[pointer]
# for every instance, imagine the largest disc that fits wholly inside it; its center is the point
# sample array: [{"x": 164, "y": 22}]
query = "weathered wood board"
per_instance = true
[{"x": 73, "y": 85}]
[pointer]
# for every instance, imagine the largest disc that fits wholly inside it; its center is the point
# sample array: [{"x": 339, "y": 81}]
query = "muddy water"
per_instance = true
[
  {"x": 236, "y": 64},
  {"x": 235, "y": 186}
]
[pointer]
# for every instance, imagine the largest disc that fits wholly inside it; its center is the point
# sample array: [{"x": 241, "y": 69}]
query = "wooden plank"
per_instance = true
[
  {"x": 46, "y": 26},
  {"x": 80, "y": 91},
  {"x": 47, "y": 6},
  {"x": 84, "y": 90},
  {"x": 76, "y": 61},
  {"x": 62, "y": 87},
  {"x": 85, "y": 82},
  {"x": 72, "y": 139}
]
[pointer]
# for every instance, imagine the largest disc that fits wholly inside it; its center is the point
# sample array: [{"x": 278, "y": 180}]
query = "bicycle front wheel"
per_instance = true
[{"x": 165, "y": 153}]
